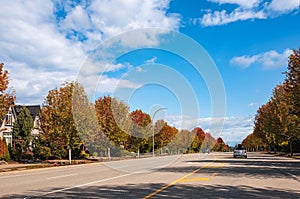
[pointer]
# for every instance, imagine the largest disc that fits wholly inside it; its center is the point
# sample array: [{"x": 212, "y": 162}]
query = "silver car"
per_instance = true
[{"x": 240, "y": 151}]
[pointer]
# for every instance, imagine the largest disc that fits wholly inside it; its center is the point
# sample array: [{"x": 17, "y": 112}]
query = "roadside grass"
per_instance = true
[
  {"x": 13, "y": 166},
  {"x": 285, "y": 154}
]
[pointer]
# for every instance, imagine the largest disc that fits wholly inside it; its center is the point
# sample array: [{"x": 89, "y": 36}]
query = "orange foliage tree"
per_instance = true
[{"x": 6, "y": 99}]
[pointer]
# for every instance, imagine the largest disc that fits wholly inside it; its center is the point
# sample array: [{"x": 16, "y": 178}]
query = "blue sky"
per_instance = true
[{"x": 248, "y": 43}]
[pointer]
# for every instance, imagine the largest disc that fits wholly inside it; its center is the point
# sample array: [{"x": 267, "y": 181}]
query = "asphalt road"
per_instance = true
[{"x": 214, "y": 175}]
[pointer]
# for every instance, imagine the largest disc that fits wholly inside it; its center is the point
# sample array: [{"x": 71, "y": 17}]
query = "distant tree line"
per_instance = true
[
  {"x": 70, "y": 122},
  {"x": 277, "y": 123}
]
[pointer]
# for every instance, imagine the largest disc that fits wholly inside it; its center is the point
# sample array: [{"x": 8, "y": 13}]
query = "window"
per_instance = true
[
  {"x": 8, "y": 137},
  {"x": 8, "y": 119},
  {"x": 36, "y": 124}
]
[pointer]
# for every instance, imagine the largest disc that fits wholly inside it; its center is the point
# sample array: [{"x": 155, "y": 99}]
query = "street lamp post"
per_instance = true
[{"x": 153, "y": 128}]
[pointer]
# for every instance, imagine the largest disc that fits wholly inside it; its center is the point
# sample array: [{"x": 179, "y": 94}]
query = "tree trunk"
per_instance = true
[
  {"x": 70, "y": 156},
  {"x": 108, "y": 153},
  {"x": 291, "y": 148}
]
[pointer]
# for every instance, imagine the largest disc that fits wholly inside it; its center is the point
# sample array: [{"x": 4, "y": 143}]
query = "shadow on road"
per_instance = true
[
  {"x": 246, "y": 167},
  {"x": 249, "y": 168},
  {"x": 177, "y": 191}
]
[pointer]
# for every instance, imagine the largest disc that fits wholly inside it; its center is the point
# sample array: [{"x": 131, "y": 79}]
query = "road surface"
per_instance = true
[{"x": 214, "y": 175}]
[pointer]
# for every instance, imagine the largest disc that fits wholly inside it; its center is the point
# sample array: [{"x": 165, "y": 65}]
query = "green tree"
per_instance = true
[{"x": 22, "y": 132}]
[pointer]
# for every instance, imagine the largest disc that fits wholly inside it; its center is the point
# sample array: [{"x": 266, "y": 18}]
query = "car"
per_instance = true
[
  {"x": 240, "y": 151},
  {"x": 206, "y": 150}
]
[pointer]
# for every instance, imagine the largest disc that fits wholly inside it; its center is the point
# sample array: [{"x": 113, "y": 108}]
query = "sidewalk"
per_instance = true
[
  {"x": 19, "y": 166},
  {"x": 4, "y": 167},
  {"x": 295, "y": 155}
]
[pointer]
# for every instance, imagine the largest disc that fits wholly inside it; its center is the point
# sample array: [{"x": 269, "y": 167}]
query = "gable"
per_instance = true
[{"x": 33, "y": 109}]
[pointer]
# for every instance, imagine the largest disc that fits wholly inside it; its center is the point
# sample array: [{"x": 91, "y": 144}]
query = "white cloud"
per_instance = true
[
  {"x": 119, "y": 16},
  {"x": 253, "y": 104},
  {"x": 77, "y": 19},
  {"x": 33, "y": 85},
  {"x": 139, "y": 69},
  {"x": 244, "y": 61},
  {"x": 242, "y": 3},
  {"x": 284, "y": 6},
  {"x": 108, "y": 85},
  {"x": 246, "y": 10},
  {"x": 26, "y": 37},
  {"x": 36, "y": 55},
  {"x": 234, "y": 129},
  {"x": 142, "y": 38},
  {"x": 103, "y": 19},
  {"x": 151, "y": 61},
  {"x": 222, "y": 17},
  {"x": 41, "y": 50},
  {"x": 182, "y": 121},
  {"x": 269, "y": 60}
]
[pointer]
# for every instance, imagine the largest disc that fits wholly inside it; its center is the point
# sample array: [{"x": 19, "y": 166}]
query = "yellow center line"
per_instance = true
[
  {"x": 179, "y": 180},
  {"x": 220, "y": 165},
  {"x": 193, "y": 179}
]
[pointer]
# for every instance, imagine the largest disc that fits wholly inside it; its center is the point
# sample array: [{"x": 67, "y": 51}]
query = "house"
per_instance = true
[{"x": 12, "y": 116}]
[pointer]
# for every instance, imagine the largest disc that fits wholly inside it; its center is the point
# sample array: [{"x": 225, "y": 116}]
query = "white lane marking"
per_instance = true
[
  {"x": 293, "y": 176},
  {"x": 63, "y": 176},
  {"x": 82, "y": 185}
]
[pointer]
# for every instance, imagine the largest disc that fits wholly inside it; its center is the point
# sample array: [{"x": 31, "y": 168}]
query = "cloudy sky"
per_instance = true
[{"x": 45, "y": 43}]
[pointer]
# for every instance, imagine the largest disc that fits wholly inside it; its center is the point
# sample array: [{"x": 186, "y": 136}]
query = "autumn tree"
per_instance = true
[
  {"x": 282, "y": 113},
  {"x": 113, "y": 118},
  {"x": 267, "y": 125},
  {"x": 164, "y": 133},
  {"x": 4, "y": 153},
  {"x": 277, "y": 122},
  {"x": 259, "y": 127},
  {"x": 59, "y": 133},
  {"x": 182, "y": 141},
  {"x": 6, "y": 99},
  {"x": 85, "y": 118},
  {"x": 140, "y": 118},
  {"x": 253, "y": 143},
  {"x": 292, "y": 98},
  {"x": 198, "y": 139},
  {"x": 22, "y": 133},
  {"x": 208, "y": 143},
  {"x": 140, "y": 131},
  {"x": 220, "y": 145}
]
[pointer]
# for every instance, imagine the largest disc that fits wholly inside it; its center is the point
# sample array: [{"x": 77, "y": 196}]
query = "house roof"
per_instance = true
[{"x": 33, "y": 109}]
